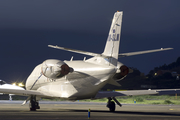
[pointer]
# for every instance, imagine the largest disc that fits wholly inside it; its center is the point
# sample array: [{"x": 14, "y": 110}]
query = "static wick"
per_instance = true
[{"x": 89, "y": 111}]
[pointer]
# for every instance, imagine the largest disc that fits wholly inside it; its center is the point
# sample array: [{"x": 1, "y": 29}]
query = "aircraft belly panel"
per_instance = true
[{"x": 58, "y": 89}]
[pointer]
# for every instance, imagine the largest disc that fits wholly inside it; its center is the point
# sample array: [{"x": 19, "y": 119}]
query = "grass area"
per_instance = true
[{"x": 145, "y": 99}]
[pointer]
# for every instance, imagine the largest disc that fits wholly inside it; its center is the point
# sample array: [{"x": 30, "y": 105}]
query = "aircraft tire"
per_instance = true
[
  {"x": 112, "y": 106},
  {"x": 32, "y": 109},
  {"x": 32, "y": 105}
]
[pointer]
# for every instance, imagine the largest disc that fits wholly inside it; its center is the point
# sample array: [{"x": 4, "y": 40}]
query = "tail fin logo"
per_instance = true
[{"x": 113, "y": 37}]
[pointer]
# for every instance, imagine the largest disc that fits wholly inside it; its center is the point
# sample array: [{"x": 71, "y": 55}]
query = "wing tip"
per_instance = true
[{"x": 167, "y": 48}]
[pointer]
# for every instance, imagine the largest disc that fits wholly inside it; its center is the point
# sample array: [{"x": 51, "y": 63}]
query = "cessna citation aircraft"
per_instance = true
[{"x": 75, "y": 80}]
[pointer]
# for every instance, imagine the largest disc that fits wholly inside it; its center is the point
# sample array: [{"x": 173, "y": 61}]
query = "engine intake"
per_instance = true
[{"x": 54, "y": 69}]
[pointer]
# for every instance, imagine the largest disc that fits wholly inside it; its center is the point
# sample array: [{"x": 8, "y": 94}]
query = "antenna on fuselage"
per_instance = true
[
  {"x": 71, "y": 58},
  {"x": 84, "y": 59}
]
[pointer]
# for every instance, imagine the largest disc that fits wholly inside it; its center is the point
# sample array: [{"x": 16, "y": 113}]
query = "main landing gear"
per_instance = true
[
  {"x": 111, "y": 104},
  {"x": 33, "y": 104}
]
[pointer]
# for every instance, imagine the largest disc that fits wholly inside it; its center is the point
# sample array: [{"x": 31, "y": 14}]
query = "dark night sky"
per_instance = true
[{"x": 27, "y": 27}]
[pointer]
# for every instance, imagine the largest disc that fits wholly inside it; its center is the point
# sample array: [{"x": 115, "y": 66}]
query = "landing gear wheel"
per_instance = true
[
  {"x": 112, "y": 106},
  {"x": 33, "y": 104}
]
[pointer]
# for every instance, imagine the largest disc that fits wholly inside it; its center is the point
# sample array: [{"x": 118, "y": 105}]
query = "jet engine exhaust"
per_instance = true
[
  {"x": 122, "y": 71},
  {"x": 54, "y": 69},
  {"x": 65, "y": 69}
]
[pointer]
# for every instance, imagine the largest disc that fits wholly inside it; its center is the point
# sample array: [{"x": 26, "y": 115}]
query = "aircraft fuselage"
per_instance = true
[{"x": 82, "y": 83}]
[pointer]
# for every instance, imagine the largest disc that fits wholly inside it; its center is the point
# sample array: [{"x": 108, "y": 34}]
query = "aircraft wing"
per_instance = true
[
  {"x": 25, "y": 92},
  {"x": 105, "y": 94},
  {"x": 75, "y": 51},
  {"x": 142, "y": 52}
]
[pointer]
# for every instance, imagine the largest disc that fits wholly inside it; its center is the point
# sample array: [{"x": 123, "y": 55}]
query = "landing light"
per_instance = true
[
  {"x": 14, "y": 84},
  {"x": 20, "y": 85}
]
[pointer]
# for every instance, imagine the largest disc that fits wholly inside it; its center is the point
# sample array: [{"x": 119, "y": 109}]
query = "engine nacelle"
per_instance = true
[
  {"x": 121, "y": 72},
  {"x": 54, "y": 69}
]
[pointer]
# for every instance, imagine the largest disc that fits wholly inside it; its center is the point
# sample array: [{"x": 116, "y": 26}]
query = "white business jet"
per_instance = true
[{"x": 75, "y": 80}]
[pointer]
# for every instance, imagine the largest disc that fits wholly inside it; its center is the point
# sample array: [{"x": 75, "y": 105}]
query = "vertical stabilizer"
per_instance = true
[{"x": 113, "y": 40}]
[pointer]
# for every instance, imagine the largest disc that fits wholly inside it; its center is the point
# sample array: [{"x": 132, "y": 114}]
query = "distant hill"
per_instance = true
[
  {"x": 173, "y": 67},
  {"x": 166, "y": 76}
]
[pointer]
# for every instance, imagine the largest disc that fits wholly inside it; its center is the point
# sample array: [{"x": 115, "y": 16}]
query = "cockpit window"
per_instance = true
[{"x": 2, "y": 82}]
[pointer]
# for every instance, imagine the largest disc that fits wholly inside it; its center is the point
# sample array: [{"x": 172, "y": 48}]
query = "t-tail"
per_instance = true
[
  {"x": 113, "y": 41},
  {"x": 111, "y": 51}
]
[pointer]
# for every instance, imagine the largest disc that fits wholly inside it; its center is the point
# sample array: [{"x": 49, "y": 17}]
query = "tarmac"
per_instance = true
[{"x": 52, "y": 110}]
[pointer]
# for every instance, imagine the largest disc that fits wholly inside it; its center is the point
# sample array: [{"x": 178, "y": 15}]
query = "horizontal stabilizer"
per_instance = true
[
  {"x": 143, "y": 52},
  {"x": 75, "y": 51}
]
